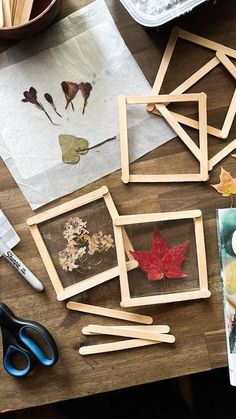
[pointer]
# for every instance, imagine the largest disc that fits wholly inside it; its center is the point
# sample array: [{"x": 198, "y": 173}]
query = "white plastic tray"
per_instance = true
[{"x": 153, "y": 13}]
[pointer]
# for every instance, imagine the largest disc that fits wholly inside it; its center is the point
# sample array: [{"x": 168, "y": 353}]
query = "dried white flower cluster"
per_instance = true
[{"x": 82, "y": 246}]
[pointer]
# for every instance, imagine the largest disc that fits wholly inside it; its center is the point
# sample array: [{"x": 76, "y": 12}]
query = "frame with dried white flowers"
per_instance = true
[{"x": 90, "y": 282}]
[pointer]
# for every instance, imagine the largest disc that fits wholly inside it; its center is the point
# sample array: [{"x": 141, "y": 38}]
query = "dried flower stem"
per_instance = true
[
  {"x": 57, "y": 112},
  {"x": 103, "y": 142},
  {"x": 41, "y": 106}
]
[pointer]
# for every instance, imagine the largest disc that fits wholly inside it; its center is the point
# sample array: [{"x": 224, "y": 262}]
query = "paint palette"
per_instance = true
[{"x": 152, "y": 13}]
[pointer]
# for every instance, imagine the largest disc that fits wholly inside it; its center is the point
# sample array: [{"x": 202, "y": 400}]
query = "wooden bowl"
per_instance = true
[{"x": 43, "y": 13}]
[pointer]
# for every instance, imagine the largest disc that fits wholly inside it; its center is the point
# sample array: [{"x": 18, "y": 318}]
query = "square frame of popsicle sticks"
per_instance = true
[
  {"x": 67, "y": 292},
  {"x": 203, "y": 292},
  {"x": 221, "y": 57},
  {"x": 159, "y": 102}
]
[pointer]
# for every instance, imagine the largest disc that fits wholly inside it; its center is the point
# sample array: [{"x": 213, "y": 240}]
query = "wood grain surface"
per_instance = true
[{"x": 197, "y": 325}]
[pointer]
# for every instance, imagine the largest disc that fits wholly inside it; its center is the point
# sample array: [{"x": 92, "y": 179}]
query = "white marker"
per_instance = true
[{"x": 20, "y": 267}]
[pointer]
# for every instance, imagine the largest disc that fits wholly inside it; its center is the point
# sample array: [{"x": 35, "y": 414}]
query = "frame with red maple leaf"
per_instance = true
[{"x": 203, "y": 292}]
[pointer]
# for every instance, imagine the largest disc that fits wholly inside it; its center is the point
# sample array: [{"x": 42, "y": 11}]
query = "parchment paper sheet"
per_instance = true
[{"x": 85, "y": 46}]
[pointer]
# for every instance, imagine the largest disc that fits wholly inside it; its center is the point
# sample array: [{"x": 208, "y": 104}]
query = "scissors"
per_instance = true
[{"x": 17, "y": 340}]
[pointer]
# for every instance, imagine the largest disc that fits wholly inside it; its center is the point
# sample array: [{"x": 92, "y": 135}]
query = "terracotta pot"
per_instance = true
[{"x": 43, "y": 13}]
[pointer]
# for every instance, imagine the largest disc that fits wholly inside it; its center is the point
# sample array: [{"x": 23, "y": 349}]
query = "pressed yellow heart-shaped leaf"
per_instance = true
[{"x": 72, "y": 147}]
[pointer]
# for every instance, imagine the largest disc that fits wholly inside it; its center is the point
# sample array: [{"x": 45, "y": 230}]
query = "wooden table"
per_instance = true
[{"x": 198, "y": 325}]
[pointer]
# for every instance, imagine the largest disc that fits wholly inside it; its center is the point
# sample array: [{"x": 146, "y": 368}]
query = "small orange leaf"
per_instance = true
[{"x": 227, "y": 185}]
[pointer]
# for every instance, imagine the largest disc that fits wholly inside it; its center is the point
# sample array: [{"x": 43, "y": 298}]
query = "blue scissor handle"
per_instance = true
[
  {"x": 16, "y": 340},
  {"x": 8, "y": 365},
  {"x": 45, "y": 338}
]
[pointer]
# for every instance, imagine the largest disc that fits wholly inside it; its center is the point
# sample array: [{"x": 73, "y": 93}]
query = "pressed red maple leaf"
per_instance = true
[{"x": 162, "y": 262}]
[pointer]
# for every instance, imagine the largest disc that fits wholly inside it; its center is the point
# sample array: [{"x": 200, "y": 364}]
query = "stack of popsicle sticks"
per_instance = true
[
  {"x": 15, "y": 12},
  {"x": 157, "y": 104},
  {"x": 141, "y": 335}
]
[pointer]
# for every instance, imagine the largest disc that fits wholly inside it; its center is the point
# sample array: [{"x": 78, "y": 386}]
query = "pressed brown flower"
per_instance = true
[
  {"x": 49, "y": 98},
  {"x": 70, "y": 90},
  {"x": 85, "y": 90},
  {"x": 31, "y": 97}
]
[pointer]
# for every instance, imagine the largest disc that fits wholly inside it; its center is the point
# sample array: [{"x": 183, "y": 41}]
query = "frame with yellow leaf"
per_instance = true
[
  {"x": 92, "y": 281},
  {"x": 127, "y": 300}
]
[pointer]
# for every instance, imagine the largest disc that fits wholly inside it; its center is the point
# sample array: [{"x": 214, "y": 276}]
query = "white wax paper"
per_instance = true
[{"x": 85, "y": 46}]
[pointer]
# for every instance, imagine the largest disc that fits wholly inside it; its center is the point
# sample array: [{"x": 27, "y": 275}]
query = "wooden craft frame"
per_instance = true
[
  {"x": 67, "y": 292},
  {"x": 201, "y": 152},
  {"x": 126, "y": 299},
  {"x": 222, "y": 53}
]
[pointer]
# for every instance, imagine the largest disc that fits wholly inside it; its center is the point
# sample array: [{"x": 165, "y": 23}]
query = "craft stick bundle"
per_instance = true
[
  {"x": 141, "y": 336},
  {"x": 15, "y": 12}
]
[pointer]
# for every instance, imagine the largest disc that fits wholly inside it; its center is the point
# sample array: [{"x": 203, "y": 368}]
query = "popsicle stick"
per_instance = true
[
  {"x": 94, "y": 281},
  {"x": 43, "y": 251},
  {"x": 67, "y": 206},
  {"x": 166, "y": 60},
  {"x": 108, "y": 312},
  {"x": 201, "y": 253},
  {"x": 7, "y": 13},
  {"x": 18, "y": 12},
  {"x": 1, "y": 15},
  {"x": 124, "y": 285},
  {"x": 185, "y": 120},
  {"x": 115, "y": 346},
  {"x": 156, "y": 216},
  {"x": 25, "y": 17},
  {"x": 13, "y": 10},
  {"x": 124, "y": 148},
  {"x": 198, "y": 75},
  {"x": 222, "y": 154},
  {"x": 179, "y": 130},
  {"x": 226, "y": 63},
  {"x": 203, "y": 144},
  {"x": 199, "y": 40},
  {"x": 184, "y": 177},
  {"x": 154, "y": 328},
  {"x": 229, "y": 117},
  {"x": 114, "y": 213},
  {"x": 165, "y": 298},
  {"x": 142, "y": 100},
  {"x": 131, "y": 332}
]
